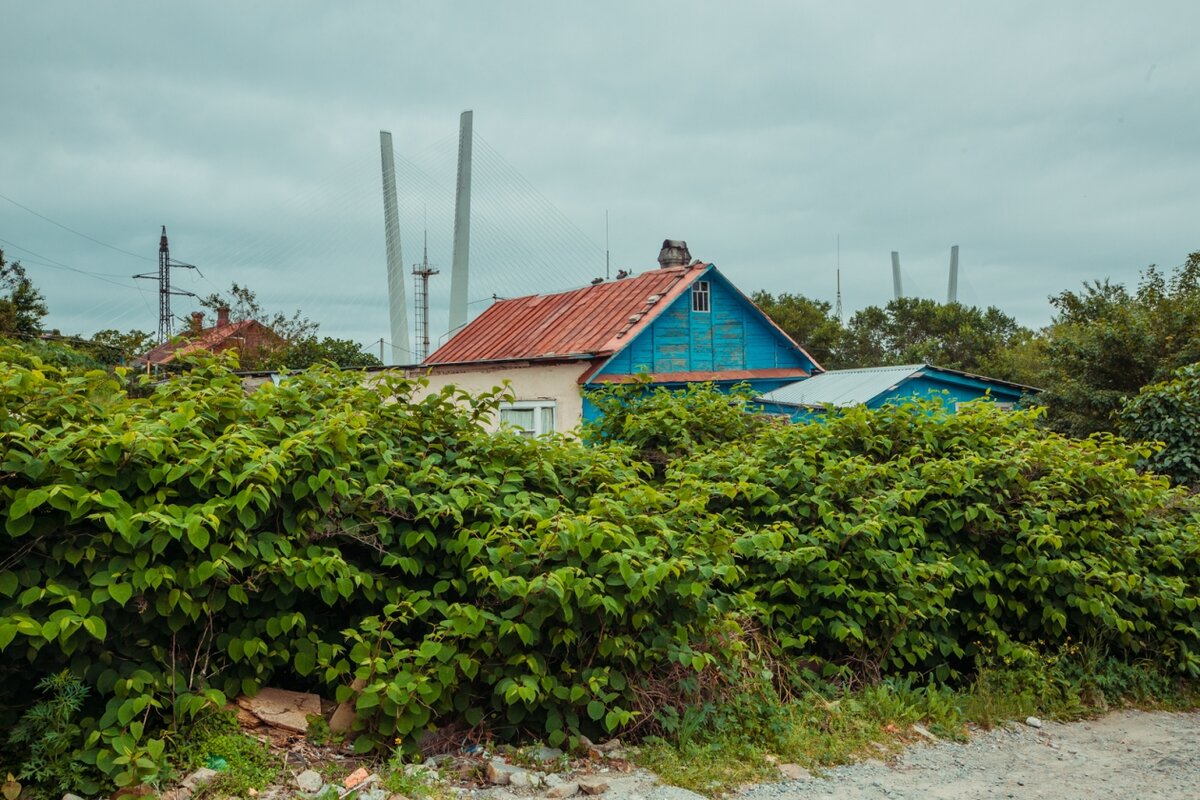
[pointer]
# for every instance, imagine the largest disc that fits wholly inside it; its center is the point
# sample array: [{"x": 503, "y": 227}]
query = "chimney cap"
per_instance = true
[
  {"x": 222, "y": 316},
  {"x": 674, "y": 253}
]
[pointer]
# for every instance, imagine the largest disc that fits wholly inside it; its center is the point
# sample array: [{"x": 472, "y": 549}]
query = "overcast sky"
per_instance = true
[{"x": 1054, "y": 142}]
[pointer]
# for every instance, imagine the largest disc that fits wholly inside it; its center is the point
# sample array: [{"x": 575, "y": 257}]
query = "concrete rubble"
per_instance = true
[{"x": 280, "y": 708}]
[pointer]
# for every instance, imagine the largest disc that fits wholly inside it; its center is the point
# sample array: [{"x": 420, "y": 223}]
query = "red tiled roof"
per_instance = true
[
  {"x": 208, "y": 339},
  {"x": 594, "y": 320}
]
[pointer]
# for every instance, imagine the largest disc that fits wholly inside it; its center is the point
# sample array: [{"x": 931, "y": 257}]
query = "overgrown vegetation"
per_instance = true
[
  {"x": 214, "y": 739},
  {"x": 665, "y": 425},
  {"x": 175, "y": 546},
  {"x": 819, "y": 729},
  {"x": 50, "y": 734},
  {"x": 1169, "y": 413}
]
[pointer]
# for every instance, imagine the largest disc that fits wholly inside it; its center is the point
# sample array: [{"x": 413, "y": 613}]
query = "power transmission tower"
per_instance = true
[
  {"x": 421, "y": 273},
  {"x": 165, "y": 320}
]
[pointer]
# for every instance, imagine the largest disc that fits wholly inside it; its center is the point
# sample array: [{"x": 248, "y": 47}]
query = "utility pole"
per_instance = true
[{"x": 165, "y": 320}]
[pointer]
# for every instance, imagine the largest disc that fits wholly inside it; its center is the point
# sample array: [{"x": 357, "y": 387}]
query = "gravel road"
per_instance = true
[{"x": 1128, "y": 754}]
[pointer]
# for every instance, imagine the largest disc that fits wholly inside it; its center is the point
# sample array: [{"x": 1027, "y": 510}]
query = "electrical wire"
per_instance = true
[
  {"x": 72, "y": 230},
  {"x": 54, "y": 264},
  {"x": 521, "y": 242}
]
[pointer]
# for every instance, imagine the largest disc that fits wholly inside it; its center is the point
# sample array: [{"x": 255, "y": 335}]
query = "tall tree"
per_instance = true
[
  {"x": 22, "y": 306},
  {"x": 1106, "y": 342},
  {"x": 810, "y": 322},
  {"x": 111, "y": 346},
  {"x": 339, "y": 352},
  {"x": 243, "y": 304},
  {"x": 916, "y": 330},
  {"x": 1022, "y": 360}
]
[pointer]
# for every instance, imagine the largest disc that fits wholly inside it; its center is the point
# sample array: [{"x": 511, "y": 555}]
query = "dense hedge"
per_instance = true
[
  {"x": 176, "y": 545},
  {"x": 184, "y": 547},
  {"x": 907, "y": 539}
]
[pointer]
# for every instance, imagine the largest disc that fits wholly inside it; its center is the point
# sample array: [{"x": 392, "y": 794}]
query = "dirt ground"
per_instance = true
[{"x": 1128, "y": 754}]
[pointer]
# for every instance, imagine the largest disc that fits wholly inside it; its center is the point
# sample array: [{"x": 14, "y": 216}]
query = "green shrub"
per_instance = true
[
  {"x": 1168, "y": 413},
  {"x": 172, "y": 546},
  {"x": 664, "y": 424},
  {"x": 48, "y": 736},
  {"x": 176, "y": 549},
  {"x": 906, "y": 541}
]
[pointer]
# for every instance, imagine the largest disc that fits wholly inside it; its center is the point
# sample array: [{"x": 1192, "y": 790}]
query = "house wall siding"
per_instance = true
[
  {"x": 558, "y": 382},
  {"x": 933, "y": 387},
  {"x": 730, "y": 336}
]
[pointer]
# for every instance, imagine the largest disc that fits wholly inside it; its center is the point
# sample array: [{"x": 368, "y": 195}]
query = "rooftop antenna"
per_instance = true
[
  {"x": 838, "y": 308},
  {"x": 421, "y": 273},
  {"x": 952, "y": 291},
  {"x": 397, "y": 303},
  {"x": 165, "y": 320},
  {"x": 459, "y": 269},
  {"x": 896, "y": 287},
  {"x": 606, "y": 244}
]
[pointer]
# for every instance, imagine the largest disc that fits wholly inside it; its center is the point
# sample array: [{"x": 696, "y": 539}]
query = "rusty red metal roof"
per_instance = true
[{"x": 592, "y": 321}]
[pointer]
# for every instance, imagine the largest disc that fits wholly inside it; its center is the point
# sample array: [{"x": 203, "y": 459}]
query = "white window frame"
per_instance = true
[
  {"x": 701, "y": 296},
  {"x": 543, "y": 423},
  {"x": 1003, "y": 405}
]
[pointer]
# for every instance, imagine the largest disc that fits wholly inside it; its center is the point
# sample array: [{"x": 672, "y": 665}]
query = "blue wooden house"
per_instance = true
[
  {"x": 681, "y": 323},
  {"x": 877, "y": 386}
]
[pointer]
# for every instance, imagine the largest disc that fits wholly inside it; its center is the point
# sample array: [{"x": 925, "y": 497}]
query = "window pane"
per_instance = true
[
  {"x": 547, "y": 425},
  {"x": 518, "y": 418}
]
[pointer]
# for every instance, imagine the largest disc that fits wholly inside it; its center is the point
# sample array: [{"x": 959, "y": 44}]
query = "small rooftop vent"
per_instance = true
[{"x": 674, "y": 253}]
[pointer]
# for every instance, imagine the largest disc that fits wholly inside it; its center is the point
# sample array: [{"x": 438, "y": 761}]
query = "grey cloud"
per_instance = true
[{"x": 1052, "y": 142}]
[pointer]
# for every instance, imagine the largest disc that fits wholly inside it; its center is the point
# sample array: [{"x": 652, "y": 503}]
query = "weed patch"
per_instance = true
[{"x": 838, "y": 726}]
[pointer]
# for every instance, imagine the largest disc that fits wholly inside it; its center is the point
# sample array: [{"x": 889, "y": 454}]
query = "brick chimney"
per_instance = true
[
  {"x": 197, "y": 323},
  {"x": 222, "y": 316}
]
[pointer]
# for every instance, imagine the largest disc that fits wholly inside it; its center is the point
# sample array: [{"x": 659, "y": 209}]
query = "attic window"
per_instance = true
[{"x": 700, "y": 297}]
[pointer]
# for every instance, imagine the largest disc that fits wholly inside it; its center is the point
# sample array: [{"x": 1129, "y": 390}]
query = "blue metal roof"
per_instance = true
[
  {"x": 849, "y": 387},
  {"x": 842, "y": 387}
]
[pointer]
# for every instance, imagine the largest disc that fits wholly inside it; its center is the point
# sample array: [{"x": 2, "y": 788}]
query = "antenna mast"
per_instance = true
[
  {"x": 165, "y": 320},
  {"x": 606, "y": 244},
  {"x": 838, "y": 308},
  {"x": 421, "y": 273}
]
